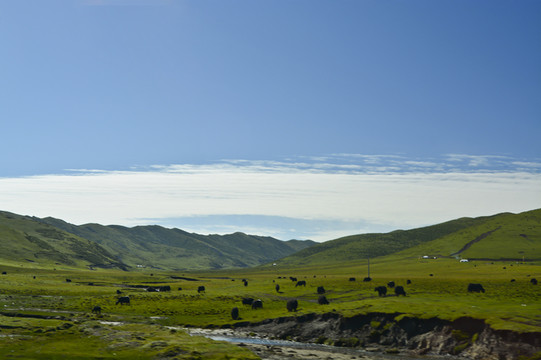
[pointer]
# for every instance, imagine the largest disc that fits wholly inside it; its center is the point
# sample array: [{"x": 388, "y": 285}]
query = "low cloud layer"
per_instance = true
[{"x": 318, "y": 198}]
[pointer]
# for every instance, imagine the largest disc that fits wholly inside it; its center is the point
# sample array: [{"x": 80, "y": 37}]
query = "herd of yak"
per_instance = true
[{"x": 292, "y": 304}]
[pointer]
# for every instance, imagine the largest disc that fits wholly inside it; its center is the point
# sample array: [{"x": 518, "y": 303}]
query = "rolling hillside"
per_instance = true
[
  {"x": 26, "y": 241},
  {"x": 175, "y": 249},
  {"x": 498, "y": 237}
]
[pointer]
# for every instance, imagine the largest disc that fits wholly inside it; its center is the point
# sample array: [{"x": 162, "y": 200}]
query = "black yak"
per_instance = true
[
  {"x": 247, "y": 301},
  {"x": 352, "y": 279},
  {"x": 200, "y": 289},
  {"x": 475, "y": 288},
  {"x": 399, "y": 290},
  {"x": 96, "y": 310},
  {"x": 367, "y": 279},
  {"x": 292, "y": 305},
  {"x": 164, "y": 288},
  {"x": 300, "y": 283},
  {"x": 68, "y": 280},
  {"x": 245, "y": 283},
  {"x": 118, "y": 292},
  {"x": 257, "y": 304},
  {"x": 277, "y": 287},
  {"x": 293, "y": 278},
  {"x": 533, "y": 281},
  {"x": 382, "y": 290},
  {"x": 322, "y": 300},
  {"x": 408, "y": 282},
  {"x": 235, "y": 313},
  {"x": 320, "y": 290},
  {"x": 390, "y": 284},
  {"x": 123, "y": 300}
]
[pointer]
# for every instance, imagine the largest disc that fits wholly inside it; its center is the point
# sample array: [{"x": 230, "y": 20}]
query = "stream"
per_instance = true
[{"x": 269, "y": 349}]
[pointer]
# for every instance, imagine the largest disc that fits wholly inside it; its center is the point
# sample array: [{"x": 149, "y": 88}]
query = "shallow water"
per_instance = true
[{"x": 243, "y": 338}]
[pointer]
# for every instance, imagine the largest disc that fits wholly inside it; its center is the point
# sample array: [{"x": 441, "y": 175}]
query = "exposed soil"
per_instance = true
[{"x": 466, "y": 337}]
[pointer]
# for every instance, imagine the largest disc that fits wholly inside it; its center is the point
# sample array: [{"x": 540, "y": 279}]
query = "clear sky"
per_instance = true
[{"x": 299, "y": 118}]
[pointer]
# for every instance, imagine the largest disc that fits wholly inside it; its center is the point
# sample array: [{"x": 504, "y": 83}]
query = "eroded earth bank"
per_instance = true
[{"x": 396, "y": 333}]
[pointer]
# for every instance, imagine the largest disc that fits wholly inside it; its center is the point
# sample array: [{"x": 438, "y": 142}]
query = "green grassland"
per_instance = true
[{"x": 45, "y": 316}]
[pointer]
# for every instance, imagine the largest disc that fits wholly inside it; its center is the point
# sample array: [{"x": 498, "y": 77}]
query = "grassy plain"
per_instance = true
[{"x": 44, "y": 317}]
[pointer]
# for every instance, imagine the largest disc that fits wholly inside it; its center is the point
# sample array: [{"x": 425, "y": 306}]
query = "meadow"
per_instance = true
[{"x": 42, "y": 315}]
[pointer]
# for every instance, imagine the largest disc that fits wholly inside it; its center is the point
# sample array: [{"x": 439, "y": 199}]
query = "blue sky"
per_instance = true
[{"x": 118, "y": 95}]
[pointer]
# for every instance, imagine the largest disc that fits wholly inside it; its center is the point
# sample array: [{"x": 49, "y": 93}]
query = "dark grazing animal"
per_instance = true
[
  {"x": 245, "y": 283},
  {"x": 118, "y": 292},
  {"x": 352, "y": 279},
  {"x": 322, "y": 300},
  {"x": 408, "y": 282},
  {"x": 235, "y": 313},
  {"x": 533, "y": 281},
  {"x": 300, "y": 283},
  {"x": 123, "y": 300},
  {"x": 68, "y": 280},
  {"x": 399, "y": 290},
  {"x": 320, "y": 290},
  {"x": 257, "y": 304},
  {"x": 292, "y": 305},
  {"x": 382, "y": 290},
  {"x": 390, "y": 284},
  {"x": 200, "y": 289},
  {"x": 367, "y": 279},
  {"x": 475, "y": 288},
  {"x": 96, "y": 310},
  {"x": 247, "y": 301},
  {"x": 164, "y": 288},
  {"x": 293, "y": 278},
  {"x": 277, "y": 287}
]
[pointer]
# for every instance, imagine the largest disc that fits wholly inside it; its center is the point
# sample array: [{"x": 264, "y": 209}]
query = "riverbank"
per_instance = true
[{"x": 464, "y": 337}]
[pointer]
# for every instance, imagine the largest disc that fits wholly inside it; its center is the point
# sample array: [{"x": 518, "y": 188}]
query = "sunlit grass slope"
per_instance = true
[{"x": 498, "y": 237}]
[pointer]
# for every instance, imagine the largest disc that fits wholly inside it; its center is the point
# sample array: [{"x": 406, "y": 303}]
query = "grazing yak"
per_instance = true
[
  {"x": 320, "y": 290},
  {"x": 352, "y": 279},
  {"x": 475, "y": 288},
  {"x": 68, "y": 280},
  {"x": 247, "y": 301},
  {"x": 292, "y": 305},
  {"x": 399, "y": 290},
  {"x": 382, "y": 290},
  {"x": 118, "y": 292},
  {"x": 322, "y": 300},
  {"x": 123, "y": 300},
  {"x": 245, "y": 283},
  {"x": 408, "y": 282},
  {"x": 257, "y": 304},
  {"x": 293, "y": 278},
  {"x": 533, "y": 281},
  {"x": 390, "y": 284},
  {"x": 367, "y": 279},
  {"x": 235, "y": 313},
  {"x": 300, "y": 283},
  {"x": 200, "y": 289},
  {"x": 277, "y": 287},
  {"x": 96, "y": 310}
]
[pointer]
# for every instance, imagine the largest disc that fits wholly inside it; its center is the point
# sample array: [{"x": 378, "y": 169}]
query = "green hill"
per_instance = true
[
  {"x": 497, "y": 237},
  {"x": 175, "y": 249},
  {"x": 24, "y": 240}
]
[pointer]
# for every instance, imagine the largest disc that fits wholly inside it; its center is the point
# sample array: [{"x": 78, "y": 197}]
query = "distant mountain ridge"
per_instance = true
[
  {"x": 148, "y": 246},
  {"x": 49, "y": 241}
]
